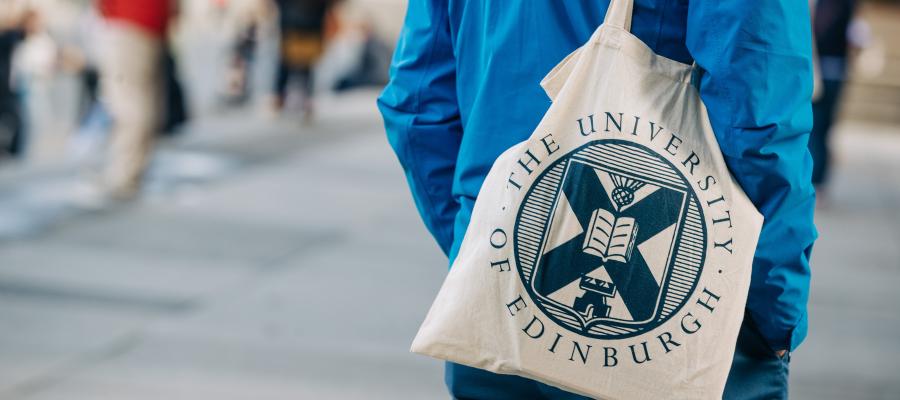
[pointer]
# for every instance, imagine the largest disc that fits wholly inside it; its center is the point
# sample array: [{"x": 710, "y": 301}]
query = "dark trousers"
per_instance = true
[
  {"x": 824, "y": 110},
  {"x": 11, "y": 125},
  {"x": 284, "y": 74},
  {"x": 756, "y": 373}
]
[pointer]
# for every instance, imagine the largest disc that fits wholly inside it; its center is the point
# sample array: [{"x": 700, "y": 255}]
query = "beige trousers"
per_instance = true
[{"x": 131, "y": 84}]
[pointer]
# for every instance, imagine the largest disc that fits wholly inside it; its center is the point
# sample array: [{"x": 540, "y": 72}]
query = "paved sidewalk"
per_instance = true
[
  {"x": 261, "y": 283},
  {"x": 853, "y": 351},
  {"x": 296, "y": 268}
]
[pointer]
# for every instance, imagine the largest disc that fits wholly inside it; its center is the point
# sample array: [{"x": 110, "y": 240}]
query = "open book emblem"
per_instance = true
[
  {"x": 610, "y": 260},
  {"x": 610, "y": 238}
]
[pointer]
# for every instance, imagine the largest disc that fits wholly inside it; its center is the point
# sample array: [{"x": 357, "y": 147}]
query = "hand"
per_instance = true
[{"x": 780, "y": 353}]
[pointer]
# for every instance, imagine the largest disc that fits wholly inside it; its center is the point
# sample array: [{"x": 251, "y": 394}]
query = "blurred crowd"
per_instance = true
[{"x": 98, "y": 82}]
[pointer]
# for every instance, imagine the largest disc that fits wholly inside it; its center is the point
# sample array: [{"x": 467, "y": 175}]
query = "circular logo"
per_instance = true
[{"x": 610, "y": 240}]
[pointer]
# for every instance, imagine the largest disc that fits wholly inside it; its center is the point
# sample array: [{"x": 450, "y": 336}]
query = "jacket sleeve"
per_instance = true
[
  {"x": 421, "y": 115},
  {"x": 757, "y": 84}
]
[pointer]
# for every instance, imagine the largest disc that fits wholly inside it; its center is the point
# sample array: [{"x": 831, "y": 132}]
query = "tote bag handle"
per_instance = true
[{"x": 619, "y": 14}]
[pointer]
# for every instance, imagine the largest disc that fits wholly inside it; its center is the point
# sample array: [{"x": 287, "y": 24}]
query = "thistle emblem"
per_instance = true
[{"x": 623, "y": 193}]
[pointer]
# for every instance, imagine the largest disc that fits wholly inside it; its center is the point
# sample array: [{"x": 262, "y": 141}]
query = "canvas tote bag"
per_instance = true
[{"x": 610, "y": 253}]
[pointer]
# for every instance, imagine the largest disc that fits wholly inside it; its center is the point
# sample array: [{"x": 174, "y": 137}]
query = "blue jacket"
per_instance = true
[{"x": 464, "y": 88}]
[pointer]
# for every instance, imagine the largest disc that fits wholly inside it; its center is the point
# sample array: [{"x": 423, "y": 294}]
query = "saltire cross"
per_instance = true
[{"x": 569, "y": 262}]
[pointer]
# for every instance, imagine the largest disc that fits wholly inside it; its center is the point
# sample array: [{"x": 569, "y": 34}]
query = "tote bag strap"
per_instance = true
[{"x": 619, "y": 14}]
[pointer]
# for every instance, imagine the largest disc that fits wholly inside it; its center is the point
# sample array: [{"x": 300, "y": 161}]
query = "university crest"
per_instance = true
[{"x": 610, "y": 240}]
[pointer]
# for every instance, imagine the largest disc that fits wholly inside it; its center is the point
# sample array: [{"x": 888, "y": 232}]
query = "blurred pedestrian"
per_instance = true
[
  {"x": 465, "y": 88},
  {"x": 131, "y": 74},
  {"x": 36, "y": 67},
  {"x": 302, "y": 25},
  {"x": 12, "y": 32},
  {"x": 93, "y": 119},
  {"x": 241, "y": 60},
  {"x": 373, "y": 65},
  {"x": 831, "y": 24},
  {"x": 175, "y": 112},
  {"x": 252, "y": 22}
]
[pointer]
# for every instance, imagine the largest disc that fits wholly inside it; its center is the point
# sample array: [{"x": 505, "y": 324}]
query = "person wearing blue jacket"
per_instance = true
[{"x": 465, "y": 87}]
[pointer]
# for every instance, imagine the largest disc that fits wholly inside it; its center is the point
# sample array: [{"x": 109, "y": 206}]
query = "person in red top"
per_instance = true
[
  {"x": 130, "y": 78},
  {"x": 151, "y": 15}
]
